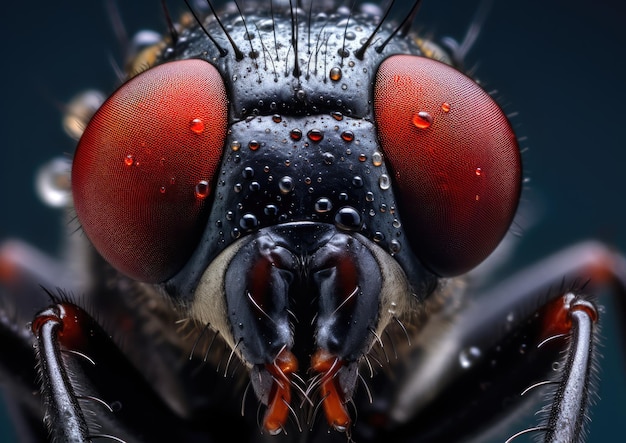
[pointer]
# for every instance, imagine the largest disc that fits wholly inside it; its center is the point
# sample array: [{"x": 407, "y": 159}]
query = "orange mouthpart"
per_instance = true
[
  {"x": 333, "y": 399},
  {"x": 277, "y": 412}
]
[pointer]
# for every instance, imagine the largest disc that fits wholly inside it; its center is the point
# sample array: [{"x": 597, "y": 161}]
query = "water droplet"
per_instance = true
[
  {"x": 287, "y": 162},
  {"x": 162, "y": 189},
  {"x": 129, "y": 160},
  {"x": 357, "y": 181},
  {"x": 445, "y": 107},
  {"x": 197, "y": 126},
  {"x": 254, "y": 145},
  {"x": 348, "y": 218},
  {"x": 238, "y": 187},
  {"x": 369, "y": 197},
  {"x": 377, "y": 158},
  {"x": 396, "y": 223},
  {"x": 53, "y": 182},
  {"x": 247, "y": 172},
  {"x": 384, "y": 182},
  {"x": 271, "y": 210},
  {"x": 235, "y": 233},
  {"x": 347, "y": 136},
  {"x": 378, "y": 236},
  {"x": 229, "y": 215},
  {"x": 276, "y": 118},
  {"x": 393, "y": 306},
  {"x": 172, "y": 180},
  {"x": 394, "y": 246},
  {"x": 255, "y": 186},
  {"x": 469, "y": 356},
  {"x": 422, "y": 120},
  {"x": 337, "y": 115},
  {"x": 286, "y": 185},
  {"x": 323, "y": 204},
  {"x": 329, "y": 159},
  {"x": 202, "y": 189},
  {"x": 343, "y": 197},
  {"x": 315, "y": 135},
  {"x": 295, "y": 134},
  {"x": 248, "y": 221},
  {"x": 235, "y": 145},
  {"x": 266, "y": 168},
  {"x": 335, "y": 74},
  {"x": 343, "y": 53},
  {"x": 350, "y": 35}
]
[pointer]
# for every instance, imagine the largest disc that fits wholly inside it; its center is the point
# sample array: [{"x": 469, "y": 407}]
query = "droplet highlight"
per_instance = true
[
  {"x": 197, "y": 126},
  {"x": 422, "y": 120},
  {"x": 202, "y": 189},
  {"x": 335, "y": 74}
]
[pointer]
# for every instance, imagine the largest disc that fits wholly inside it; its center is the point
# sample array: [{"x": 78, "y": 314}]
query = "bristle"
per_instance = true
[{"x": 221, "y": 50}]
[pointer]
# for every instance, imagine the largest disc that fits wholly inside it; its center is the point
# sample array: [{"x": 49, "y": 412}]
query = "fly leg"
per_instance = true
[
  {"x": 479, "y": 366},
  {"x": 90, "y": 389}
]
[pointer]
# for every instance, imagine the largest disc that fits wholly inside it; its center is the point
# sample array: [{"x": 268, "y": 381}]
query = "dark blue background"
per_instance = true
[{"x": 558, "y": 64}]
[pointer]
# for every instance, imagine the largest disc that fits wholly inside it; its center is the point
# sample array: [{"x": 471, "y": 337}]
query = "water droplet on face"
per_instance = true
[
  {"x": 384, "y": 182},
  {"x": 315, "y": 135},
  {"x": 235, "y": 233},
  {"x": 343, "y": 197},
  {"x": 323, "y": 205},
  {"x": 295, "y": 134},
  {"x": 235, "y": 146},
  {"x": 347, "y": 136},
  {"x": 255, "y": 186},
  {"x": 247, "y": 172},
  {"x": 369, "y": 197},
  {"x": 202, "y": 189},
  {"x": 337, "y": 115},
  {"x": 129, "y": 160},
  {"x": 329, "y": 159},
  {"x": 350, "y": 35},
  {"x": 469, "y": 356},
  {"x": 254, "y": 145},
  {"x": 286, "y": 185},
  {"x": 362, "y": 157},
  {"x": 238, "y": 187},
  {"x": 276, "y": 118},
  {"x": 348, "y": 218},
  {"x": 445, "y": 107},
  {"x": 377, "y": 158},
  {"x": 162, "y": 189},
  {"x": 357, "y": 181},
  {"x": 396, "y": 223},
  {"x": 478, "y": 172},
  {"x": 422, "y": 120},
  {"x": 394, "y": 246},
  {"x": 335, "y": 74},
  {"x": 248, "y": 221},
  {"x": 229, "y": 215},
  {"x": 197, "y": 126},
  {"x": 271, "y": 210}
]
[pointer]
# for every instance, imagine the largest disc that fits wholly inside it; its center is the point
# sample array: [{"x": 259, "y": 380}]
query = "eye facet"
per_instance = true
[
  {"x": 144, "y": 168},
  {"x": 455, "y": 160}
]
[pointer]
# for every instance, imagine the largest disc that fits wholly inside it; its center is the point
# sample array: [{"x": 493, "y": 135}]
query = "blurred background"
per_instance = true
[{"x": 558, "y": 65}]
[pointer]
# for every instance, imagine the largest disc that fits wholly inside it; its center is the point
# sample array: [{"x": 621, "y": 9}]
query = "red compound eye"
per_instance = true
[
  {"x": 144, "y": 168},
  {"x": 455, "y": 159}
]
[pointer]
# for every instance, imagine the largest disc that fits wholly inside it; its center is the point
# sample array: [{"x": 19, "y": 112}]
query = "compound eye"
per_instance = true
[
  {"x": 455, "y": 160},
  {"x": 144, "y": 167}
]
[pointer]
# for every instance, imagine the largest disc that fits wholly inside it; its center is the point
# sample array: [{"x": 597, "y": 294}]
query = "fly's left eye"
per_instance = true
[
  {"x": 144, "y": 168},
  {"x": 455, "y": 159}
]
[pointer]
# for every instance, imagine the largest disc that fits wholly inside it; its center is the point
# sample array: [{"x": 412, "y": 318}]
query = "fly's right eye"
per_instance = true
[
  {"x": 455, "y": 159},
  {"x": 144, "y": 168}
]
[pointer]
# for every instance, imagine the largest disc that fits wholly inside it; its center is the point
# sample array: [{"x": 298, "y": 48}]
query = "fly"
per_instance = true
[{"x": 295, "y": 198}]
